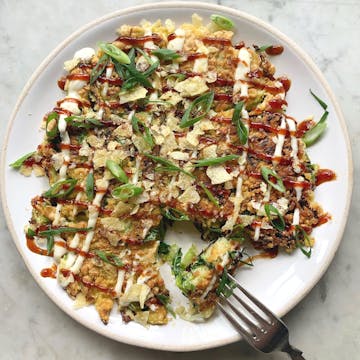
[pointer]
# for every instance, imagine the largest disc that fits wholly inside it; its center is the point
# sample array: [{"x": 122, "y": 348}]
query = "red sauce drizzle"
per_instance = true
[
  {"x": 223, "y": 97},
  {"x": 71, "y": 147},
  {"x": 303, "y": 127},
  {"x": 323, "y": 219},
  {"x": 49, "y": 272},
  {"x": 111, "y": 81},
  {"x": 61, "y": 82},
  {"x": 216, "y": 41},
  {"x": 128, "y": 40},
  {"x": 31, "y": 244},
  {"x": 194, "y": 56},
  {"x": 275, "y": 50},
  {"x": 276, "y": 104},
  {"x": 89, "y": 284},
  {"x": 172, "y": 37},
  {"x": 324, "y": 175},
  {"x": 239, "y": 45},
  {"x": 83, "y": 77},
  {"x": 286, "y": 82},
  {"x": 224, "y": 82}
]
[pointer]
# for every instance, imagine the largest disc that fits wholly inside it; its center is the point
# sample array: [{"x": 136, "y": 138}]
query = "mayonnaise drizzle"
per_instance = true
[
  {"x": 294, "y": 145},
  {"x": 242, "y": 69},
  {"x": 280, "y": 142}
]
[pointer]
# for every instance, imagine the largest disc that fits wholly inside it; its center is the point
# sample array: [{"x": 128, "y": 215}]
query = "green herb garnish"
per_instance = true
[
  {"x": 126, "y": 191},
  {"x": 165, "y": 54},
  {"x": 19, "y": 162},
  {"x": 299, "y": 231},
  {"x": 61, "y": 189},
  {"x": 176, "y": 266},
  {"x": 174, "y": 214},
  {"x": 321, "y": 102},
  {"x": 197, "y": 110},
  {"x": 215, "y": 161},
  {"x": 239, "y": 233},
  {"x": 117, "y": 171},
  {"x": 222, "y": 22},
  {"x": 99, "y": 68},
  {"x": 241, "y": 129},
  {"x": 61, "y": 230},
  {"x": 225, "y": 286},
  {"x": 278, "y": 223},
  {"x": 266, "y": 173},
  {"x": 109, "y": 258},
  {"x": 89, "y": 186}
]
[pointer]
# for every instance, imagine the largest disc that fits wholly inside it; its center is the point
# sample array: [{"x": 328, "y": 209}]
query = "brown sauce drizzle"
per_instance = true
[
  {"x": 49, "y": 272},
  {"x": 275, "y": 50},
  {"x": 194, "y": 56},
  {"x": 128, "y": 40},
  {"x": 88, "y": 284},
  {"x": 216, "y": 41},
  {"x": 111, "y": 81},
  {"x": 324, "y": 175},
  {"x": 82, "y": 77}
]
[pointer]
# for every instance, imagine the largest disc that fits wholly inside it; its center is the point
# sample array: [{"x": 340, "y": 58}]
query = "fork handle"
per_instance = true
[{"x": 294, "y": 353}]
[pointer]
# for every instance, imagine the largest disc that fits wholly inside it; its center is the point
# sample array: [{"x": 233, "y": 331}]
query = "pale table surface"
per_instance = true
[{"x": 326, "y": 325}]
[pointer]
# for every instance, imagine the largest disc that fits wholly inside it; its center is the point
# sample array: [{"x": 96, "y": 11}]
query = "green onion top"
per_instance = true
[
  {"x": 215, "y": 161},
  {"x": 241, "y": 129},
  {"x": 165, "y": 54},
  {"x": 126, "y": 191},
  {"x": 200, "y": 106},
  {"x": 279, "y": 222},
  {"x": 115, "y": 53},
  {"x": 117, "y": 171},
  {"x": 19, "y": 162}
]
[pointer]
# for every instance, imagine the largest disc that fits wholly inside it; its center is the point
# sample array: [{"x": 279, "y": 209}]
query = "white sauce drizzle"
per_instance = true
[
  {"x": 294, "y": 145},
  {"x": 242, "y": 69},
  {"x": 280, "y": 142}
]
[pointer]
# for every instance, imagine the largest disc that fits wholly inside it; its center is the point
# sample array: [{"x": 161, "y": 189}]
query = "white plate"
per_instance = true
[{"x": 280, "y": 283}]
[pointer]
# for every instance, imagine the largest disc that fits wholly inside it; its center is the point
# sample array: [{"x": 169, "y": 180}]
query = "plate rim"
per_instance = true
[{"x": 168, "y": 5}]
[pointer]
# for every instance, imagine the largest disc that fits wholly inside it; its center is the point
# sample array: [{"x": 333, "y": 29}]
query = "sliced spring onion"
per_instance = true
[
  {"x": 81, "y": 122},
  {"x": 89, "y": 186},
  {"x": 178, "y": 76},
  {"x": 241, "y": 129},
  {"x": 126, "y": 191},
  {"x": 156, "y": 232},
  {"x": 222, "y": 22},
  {"x": 200, "y": 106},
  {"x": 30, "y": 232},
  {"x": 312, "y": 135},
  {"x": 215, "y": 161},
  {"x": 99, "y": 68},
  {"x": 299, "y": 231},
  {"x": 164, "y": 299},
  {"x": 18, "y": 163},
  {"x": 54, "y": 132},
  {"x": 321, "y": 102},
  {"x": 209, "y": 194},
  {"x": 49, "y": 244},
  {"x": 262, "y": 48},
  {"x": 61, "y": 189},
  {"x": 109, "y": 258},
  {"x": 174, "y": 214},
  {"x": 279, "y": 222},
  {"x": 168, "y": 166},
  {"x": 266, "y": 173},
  {"x": 165, "y": 54},
  {"x": 117, "y": 171},
  {"x": 114, "y": 52}
]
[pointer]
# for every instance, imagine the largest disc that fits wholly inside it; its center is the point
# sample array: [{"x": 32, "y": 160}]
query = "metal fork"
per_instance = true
[{"x": 256, "y": 323}]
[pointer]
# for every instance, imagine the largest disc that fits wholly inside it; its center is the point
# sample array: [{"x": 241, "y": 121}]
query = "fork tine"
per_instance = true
[
  {"x": 252, "y": 326},
  {"x": 254, "y": 300},
  {"x": 244, "y": 332},
  {"x": 248, "y": 307}
]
